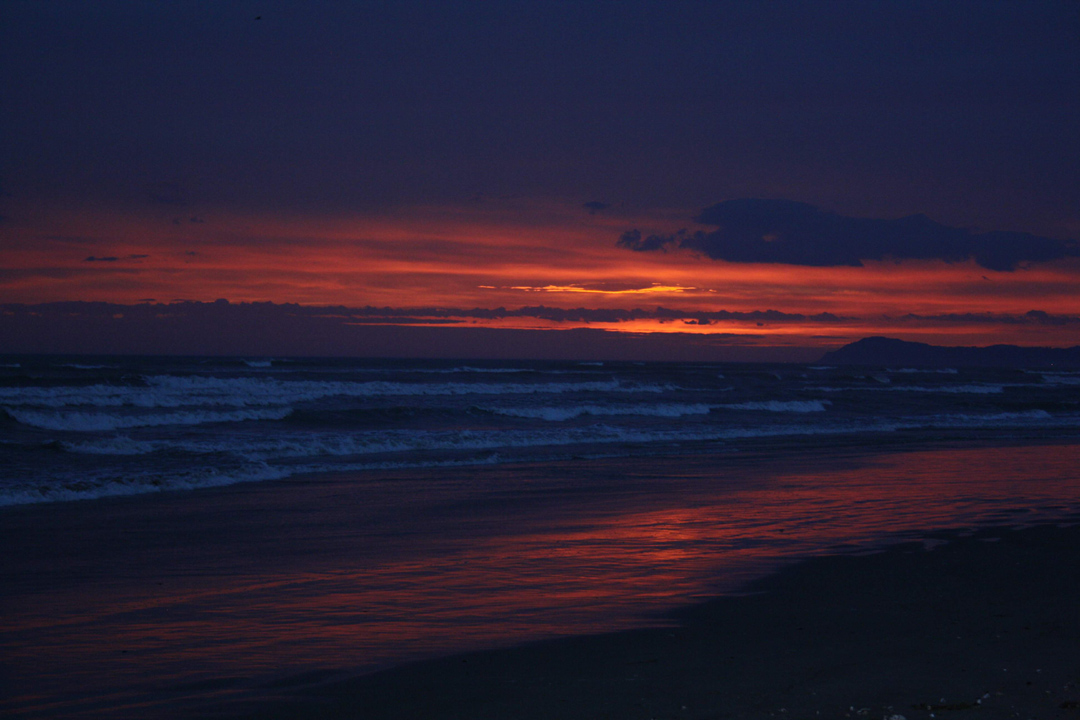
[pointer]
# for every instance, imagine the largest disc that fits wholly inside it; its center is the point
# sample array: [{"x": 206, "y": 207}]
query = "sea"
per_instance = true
[
  {"x": 188, "y": 537},
  {"x": 76, "y": 429}
]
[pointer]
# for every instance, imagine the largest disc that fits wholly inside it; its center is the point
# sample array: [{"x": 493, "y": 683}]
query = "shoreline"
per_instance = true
[
  {"x": 985, "y": 621},
  {"x": 169, "y": 589},
  {"x": 745, "y": 452}
]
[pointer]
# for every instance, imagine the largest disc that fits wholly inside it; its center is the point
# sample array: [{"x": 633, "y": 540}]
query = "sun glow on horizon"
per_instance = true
[{"x": 502, "y": 256}]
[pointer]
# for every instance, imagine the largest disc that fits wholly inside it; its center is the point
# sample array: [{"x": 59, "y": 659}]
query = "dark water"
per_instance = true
[
  {"x": 83, "y": 428},
  {"x": 410, "y": 510}
]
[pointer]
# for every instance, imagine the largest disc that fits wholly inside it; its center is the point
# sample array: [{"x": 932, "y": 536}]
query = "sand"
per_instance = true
[
  {"x": 190, "y": 605},
  {"x": 985, "y": 625}
]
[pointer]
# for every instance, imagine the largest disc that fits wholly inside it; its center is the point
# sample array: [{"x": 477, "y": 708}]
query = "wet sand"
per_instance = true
[
  {"x": 985, "y": 625},
  {"x": 188, "y": 605}
]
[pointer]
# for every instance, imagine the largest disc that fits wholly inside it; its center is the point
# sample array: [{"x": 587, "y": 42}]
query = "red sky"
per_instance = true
[
  {"x": 477, "y": 156},
  {"x": 515, "y": 253}
]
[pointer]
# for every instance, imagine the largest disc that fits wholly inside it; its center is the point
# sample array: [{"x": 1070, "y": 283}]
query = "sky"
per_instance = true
[{"x": 786, "y": 176}]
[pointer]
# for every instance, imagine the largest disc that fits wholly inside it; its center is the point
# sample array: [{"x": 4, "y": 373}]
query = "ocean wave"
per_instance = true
[
  {"x": 281, "y": 447},
  {"x": 114, "y": 445},
  {"x": 979, "y": 389},
  {"x": 135, "y": 484},
  {"x": 101, "y": 422},
  {"x": 263, "y": 454},
  {"x": 783, "y": 406},
  {"x": 574, "y": 411},
  {"x": 967, "y": 418},
  {"x": 379, "y": 442},
  {"x": 253, "y": 457},
  {"x": 976, "y": 389},
  {"x": 199, "y": 478},
  {"x": 1061, "y": 379},
  {"x": 168, "y": 391}
]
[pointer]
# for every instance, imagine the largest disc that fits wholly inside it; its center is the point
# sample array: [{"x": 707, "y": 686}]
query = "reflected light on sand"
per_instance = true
[{"x": 616, "y": 554}]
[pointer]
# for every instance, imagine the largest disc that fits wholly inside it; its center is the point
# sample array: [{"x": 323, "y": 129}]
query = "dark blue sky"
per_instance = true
[{"x": 965, "y": 111}]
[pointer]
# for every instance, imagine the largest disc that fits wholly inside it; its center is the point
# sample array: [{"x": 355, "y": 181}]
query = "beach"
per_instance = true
[
  {"x": 983, "y": 625},
  {"x": 620, "y": 587},
  {"x": 581, "y": 360}
]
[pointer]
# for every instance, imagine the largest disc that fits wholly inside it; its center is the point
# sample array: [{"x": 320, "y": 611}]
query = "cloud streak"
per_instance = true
[
  {"x": 442, "y": 315},
  {"x": 113, "y": 258},
  {"x": 795, "y": 233},
  {"x": 292, "y": 329}
]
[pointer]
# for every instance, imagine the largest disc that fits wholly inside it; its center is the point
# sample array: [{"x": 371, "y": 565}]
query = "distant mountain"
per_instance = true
[{"x": 900, "y": 353}]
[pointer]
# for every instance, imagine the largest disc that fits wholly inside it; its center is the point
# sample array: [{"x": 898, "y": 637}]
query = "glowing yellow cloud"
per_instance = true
[{"x": 655, "y": 288}]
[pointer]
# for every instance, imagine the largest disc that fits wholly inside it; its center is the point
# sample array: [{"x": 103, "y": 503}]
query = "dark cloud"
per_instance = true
[
  {"x": 795, "y": 233},
  {"x": 221, "y": 327},
  {"x": 113, "y": 258},
  {"x": 438, "y": 315},
  {"x": 1031, "y": 317},
  {"x": 595, "y": 206},
  {"x": 283, "y": 330},
  {"x": 433, "y": 315}
]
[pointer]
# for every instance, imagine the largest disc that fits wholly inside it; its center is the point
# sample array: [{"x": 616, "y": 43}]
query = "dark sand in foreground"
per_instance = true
[{"x": 980, "y": 626}]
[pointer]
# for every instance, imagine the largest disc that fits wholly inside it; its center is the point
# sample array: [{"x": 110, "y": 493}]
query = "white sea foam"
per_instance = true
[
  {"x": 83, "y": 489},
  {"x": 979, "y": 389},
  {"x": 272, "y": 457},
  {"x": 259, "y": 363},
  {"x": 98, "y": 422},
  {"x": 260, "y": 448},
  {"x": 976, "y": 389},
  {"x": 1061, "y": 379},
  {"x": 782, "y": 406},
  {"x": 992, "y": 418},
  {"x": 167, "y": 391},
  {"x": 198, "y": 478},
  {"x": 574, "y": 411},
  {"x": 282, "y": 447}
]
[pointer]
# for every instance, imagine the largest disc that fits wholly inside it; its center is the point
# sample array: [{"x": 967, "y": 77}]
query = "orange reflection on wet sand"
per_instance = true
[{"x": 579, "y": 547}]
